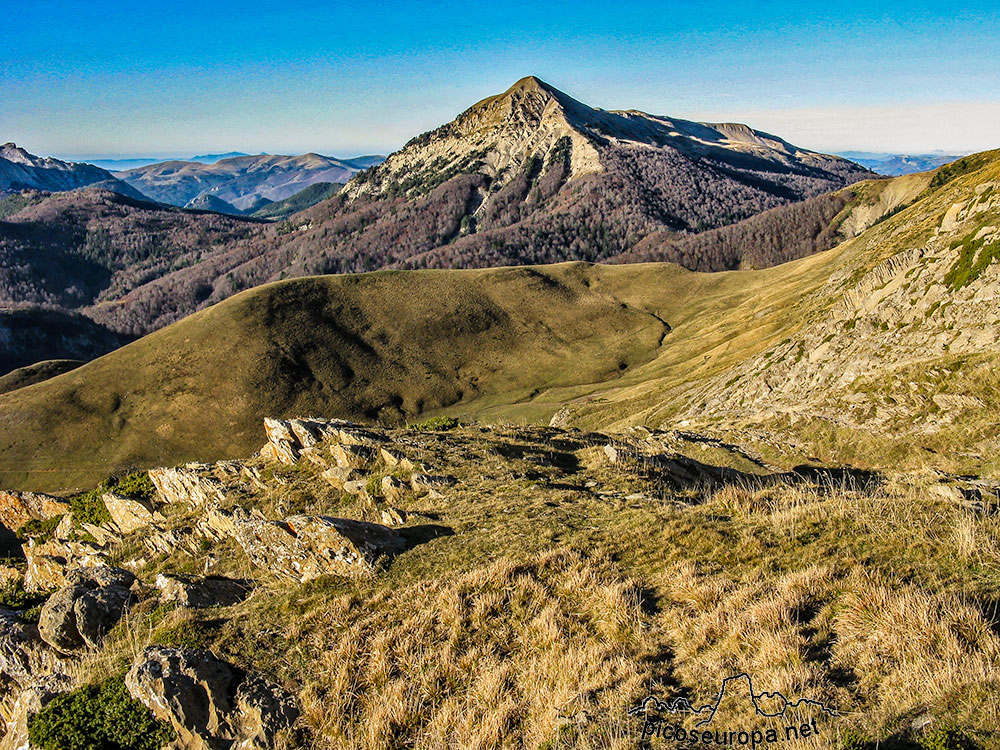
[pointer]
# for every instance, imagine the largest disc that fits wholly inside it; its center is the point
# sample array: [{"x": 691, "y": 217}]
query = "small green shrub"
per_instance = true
[
  {"x": 39, "y": 530},
  {"x": 946, "y": 737},
  {"x": 88, "y": 507},
  {"x": 97, "y": 717},
  {"x": 852, "y": 739},
  {"x": 13, "y": 596},
  {"x": 436, "y": 424}
]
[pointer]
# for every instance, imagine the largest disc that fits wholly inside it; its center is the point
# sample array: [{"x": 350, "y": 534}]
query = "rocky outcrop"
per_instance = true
[
  {"x": 199, "y": 592},
  {"x": 192, "y": 484},
  {"x": 48, "y": 562},
  {"x": 305, "y": 547},
  {"x": 25, "y": 658},
  {"x": 287, "y": 437},
  {"x": 79, "y": 615},
  {"x": 17, "y": 508},
  {"x": 130, "y": 514},
  {"x": 206, "y": 702}
]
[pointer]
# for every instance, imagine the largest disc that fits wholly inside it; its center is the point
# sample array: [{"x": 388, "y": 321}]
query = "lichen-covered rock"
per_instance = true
[
  {"x": 305, "y": 547},
  {"x": 98, "y": 610},
  {"x": 57, "y": 621},
  {"x": 49, "y": 562},
  {"x": 286, "y": 438},
  {"x": 190, "y": 690},
  {"x": 394, "y": 459},
  {"x": 265, "y": 710},
  {"x": 338, "y": 476},
  {"x": 17, "y": 508},
  {"x": 24, "y": 657},
  {"x": 80, "y": 614},
  {"x": 206, "y": 702},
  {"x": 192, "y": 484},
  {"x": 130, "y": 514},
  {"x": 30, "y": 701},
  {"x": 393, "y": 490},
  {"x": 198, "y": 592},
  {"x": 353, "y": 456}
]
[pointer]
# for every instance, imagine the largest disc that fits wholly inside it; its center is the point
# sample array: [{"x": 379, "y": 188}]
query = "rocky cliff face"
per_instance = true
[{"x": 901, "y": 337}]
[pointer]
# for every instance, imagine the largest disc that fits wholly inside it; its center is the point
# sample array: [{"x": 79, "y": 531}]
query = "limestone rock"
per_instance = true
[
  {"x": 207, "y": 704},
  {"x": 30, "y": 701},
  {"x": 130, "y": 514},
  {"x": 287, "y": 437},
  {"x": 304, "y": 547},
  {"x": 338, "y": 476},
  {"x": 17, "y": 508},
  {"x": 393, "y": 489},
  {"x": 425, "y": 484},
  {"x": 24, "y": 657},
  {"x": 191, "y": 484},
  {"x": 49, "y": 562},
  {"x": 189, "y": 690},
  {"x": 57, "y": 621},
  {"x": 356, "y": 487},
  {"x": 353, "y": 456},
  {"x": 65, "y": 528},
  {"x": 80, "y": 614},
  {"x": 393, "y": 459},
  {"x": 199, "y": 592},
  {"x": 44, "y": 571},
  {"x": 265, "y": 710},
  {"x": 98, "y": 610}
]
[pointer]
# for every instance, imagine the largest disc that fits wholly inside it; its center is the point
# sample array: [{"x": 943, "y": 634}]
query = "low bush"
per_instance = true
[{"x": 97, "y": 717}]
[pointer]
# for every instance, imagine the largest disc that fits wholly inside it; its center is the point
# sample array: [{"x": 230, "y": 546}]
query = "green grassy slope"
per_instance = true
[
  {"x": 384, "y": 346},
  {"x": 523, "y": 344}
]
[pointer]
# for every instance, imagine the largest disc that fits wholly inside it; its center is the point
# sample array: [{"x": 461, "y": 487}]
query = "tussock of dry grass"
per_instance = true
[{"x": 503, "y": 656}]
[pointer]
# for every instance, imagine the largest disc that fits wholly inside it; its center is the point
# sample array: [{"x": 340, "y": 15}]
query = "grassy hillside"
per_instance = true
[
  {"x": 761, "y": 355},
  {"x": 384, "y": 346}
]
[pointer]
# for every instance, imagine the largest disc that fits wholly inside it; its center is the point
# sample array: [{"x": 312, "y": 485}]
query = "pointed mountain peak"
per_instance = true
[{"x": 531, "y": 83}]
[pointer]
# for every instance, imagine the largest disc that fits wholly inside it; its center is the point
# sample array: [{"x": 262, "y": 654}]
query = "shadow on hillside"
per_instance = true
[
  {"x": 415, "y": 535},
  {"x": 679, "y": 472}
]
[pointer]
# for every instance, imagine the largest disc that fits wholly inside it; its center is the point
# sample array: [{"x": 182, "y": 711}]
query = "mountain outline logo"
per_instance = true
[{"x": 681, "y": 705}]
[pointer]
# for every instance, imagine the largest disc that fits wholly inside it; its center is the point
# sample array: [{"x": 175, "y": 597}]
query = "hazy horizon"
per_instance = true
[{"x": 163, "y": 77}]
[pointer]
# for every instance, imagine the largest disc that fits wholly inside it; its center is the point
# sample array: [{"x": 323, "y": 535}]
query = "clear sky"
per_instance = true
[{"x": 97, "y": 78}]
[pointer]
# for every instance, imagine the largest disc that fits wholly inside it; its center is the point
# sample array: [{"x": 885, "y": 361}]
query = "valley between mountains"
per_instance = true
[{"x": 554, "y": 410}]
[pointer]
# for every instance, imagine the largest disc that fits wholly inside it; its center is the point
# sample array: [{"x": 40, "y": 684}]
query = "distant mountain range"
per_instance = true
[
  {"x": 240, "y": 184},
  {"x": 528, "y": 176},
  {"x": 20, "y": 170},
  {"x": 119, "y": 165},
  {"x": 899, "y": 164},
  {"x": 232, "y": 183}
]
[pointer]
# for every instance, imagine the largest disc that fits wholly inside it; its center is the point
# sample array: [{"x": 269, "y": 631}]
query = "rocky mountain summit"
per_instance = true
[
  {"x": 20, "y": 170},
  {"x": 528, "y": 176},
  {"x": 280, "y": 601}
]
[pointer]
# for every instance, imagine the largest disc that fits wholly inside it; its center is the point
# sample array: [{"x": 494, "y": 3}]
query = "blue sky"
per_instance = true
[{"x": 101, "y": 78}]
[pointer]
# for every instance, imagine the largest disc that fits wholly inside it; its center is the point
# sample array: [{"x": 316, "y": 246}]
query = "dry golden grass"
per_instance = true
[{"x": 504, "y": 656}]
